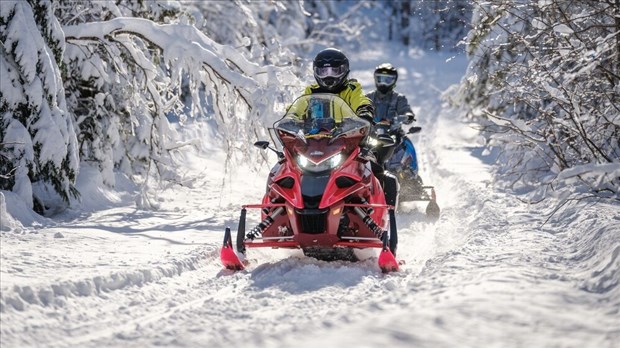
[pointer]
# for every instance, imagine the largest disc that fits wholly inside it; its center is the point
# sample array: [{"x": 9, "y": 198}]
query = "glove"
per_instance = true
[
  {"x": 409, "y": 120},
  {"x": 366, "y": 153},
  {"x": 366, "y": 112},
  {"x": 367, "y": 116}
]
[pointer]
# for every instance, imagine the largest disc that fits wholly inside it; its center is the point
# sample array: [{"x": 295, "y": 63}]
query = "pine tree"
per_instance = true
[{"x": 40, "y": 145}]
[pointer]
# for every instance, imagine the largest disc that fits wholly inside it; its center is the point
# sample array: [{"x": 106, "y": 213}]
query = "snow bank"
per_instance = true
[
  {"x": 96, "y": 195},
  {"x": 590, "y": 247},
  {"x": 14, "y": 213},
  {"x": 7, "y": 223}
]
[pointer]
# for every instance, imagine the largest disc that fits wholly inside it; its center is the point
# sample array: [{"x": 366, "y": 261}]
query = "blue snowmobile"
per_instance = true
[{"x": 397, "y": 154}]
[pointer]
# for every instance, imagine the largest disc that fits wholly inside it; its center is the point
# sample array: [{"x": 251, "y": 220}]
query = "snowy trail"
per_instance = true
[{"x": 485, "y": 274}]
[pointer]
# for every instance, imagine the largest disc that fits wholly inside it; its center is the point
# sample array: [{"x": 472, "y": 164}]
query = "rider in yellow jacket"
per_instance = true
[{"x": 331, "y": 71}]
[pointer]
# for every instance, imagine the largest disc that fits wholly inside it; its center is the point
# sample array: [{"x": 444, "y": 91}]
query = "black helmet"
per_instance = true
[
  {"x": 385, "y": 77},
  {"x": 331, "y": 68}
]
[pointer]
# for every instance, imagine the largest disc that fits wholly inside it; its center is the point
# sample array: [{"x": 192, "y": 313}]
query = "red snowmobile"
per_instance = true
[{"x": 322, "y": 196}]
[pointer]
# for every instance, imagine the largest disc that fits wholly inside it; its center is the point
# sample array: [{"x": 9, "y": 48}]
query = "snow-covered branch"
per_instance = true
[
  {"x": 184, "y": 47},
  {"x": 545, "y": 76}
]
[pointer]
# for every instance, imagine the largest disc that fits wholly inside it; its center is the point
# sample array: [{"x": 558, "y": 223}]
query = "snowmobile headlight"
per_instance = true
[
  {"x": 303, "y": 161},
  {"x": 326, "y": 164},
  {"x": 373, "y": 142},
  {"x": 335, "y": 160}
]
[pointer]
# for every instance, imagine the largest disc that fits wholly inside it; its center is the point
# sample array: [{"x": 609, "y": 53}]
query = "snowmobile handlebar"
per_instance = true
[{"x": 394, "y": 126}]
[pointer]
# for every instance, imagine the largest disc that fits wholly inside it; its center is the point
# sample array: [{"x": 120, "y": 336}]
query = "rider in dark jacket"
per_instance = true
[{"x": 387, "y": 102}]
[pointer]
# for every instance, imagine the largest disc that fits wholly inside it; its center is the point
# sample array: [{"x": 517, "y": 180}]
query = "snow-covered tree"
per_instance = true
[
  {"x": 37, "y": 132},
  {"x": 115, "y": 88},
  {"x": 257, "y": 28},
  {"x": 106, "y": 79},
  {"x": 545, "y": 77},
  {"x": 338, "y": 23},
  {"x": 127, "y": 68},
  {"x": 281, "y": 32}
]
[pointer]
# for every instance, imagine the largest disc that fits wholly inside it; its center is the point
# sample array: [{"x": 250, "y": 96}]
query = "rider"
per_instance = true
[
  {"x": 331, "y": 71},
  {"x": 388, "y": 103}
]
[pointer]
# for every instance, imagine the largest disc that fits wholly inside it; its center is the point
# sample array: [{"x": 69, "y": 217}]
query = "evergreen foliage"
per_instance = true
[
  {"x": 99, "y": 81},
  {"x": 39, "y": 152}
]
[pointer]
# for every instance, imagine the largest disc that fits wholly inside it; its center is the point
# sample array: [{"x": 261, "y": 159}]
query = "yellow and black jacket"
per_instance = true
[{"x": 353, "y": 95}]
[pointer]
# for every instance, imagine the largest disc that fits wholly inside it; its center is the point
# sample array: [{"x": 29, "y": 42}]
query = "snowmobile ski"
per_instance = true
[{"x": 229, "y": 258}]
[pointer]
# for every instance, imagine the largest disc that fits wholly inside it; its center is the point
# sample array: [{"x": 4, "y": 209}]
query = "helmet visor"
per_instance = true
[
  {"x": 330, "y": 71},
  {"x": 385, "y": 79}
]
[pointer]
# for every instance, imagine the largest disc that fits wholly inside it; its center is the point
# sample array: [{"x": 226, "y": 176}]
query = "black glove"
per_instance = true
[
  {"x": 409, "y": 120},
  {"x": 366, "y": 153},
  {"x": 367, "y": 116},
  {"x": 366, "y": 112}
]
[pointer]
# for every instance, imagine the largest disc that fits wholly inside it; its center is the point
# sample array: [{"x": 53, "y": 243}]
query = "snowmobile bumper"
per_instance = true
[
  {"x": 262, "y": 243},
  {"x": 419, "y": 194},
  {"x": 422, "y": 194},
  {"x": 254, "y": 239}
]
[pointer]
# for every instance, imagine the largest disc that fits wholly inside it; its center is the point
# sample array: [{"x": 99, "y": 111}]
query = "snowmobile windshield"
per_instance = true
[{"x": 320, "y": 115}]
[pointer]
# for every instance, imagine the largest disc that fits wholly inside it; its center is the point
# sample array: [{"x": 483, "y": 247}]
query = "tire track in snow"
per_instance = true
[
  {"x": 273, "y": 299},
  {"x": 56, "y": 294},
  {"x": 90, "y": 304}
]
